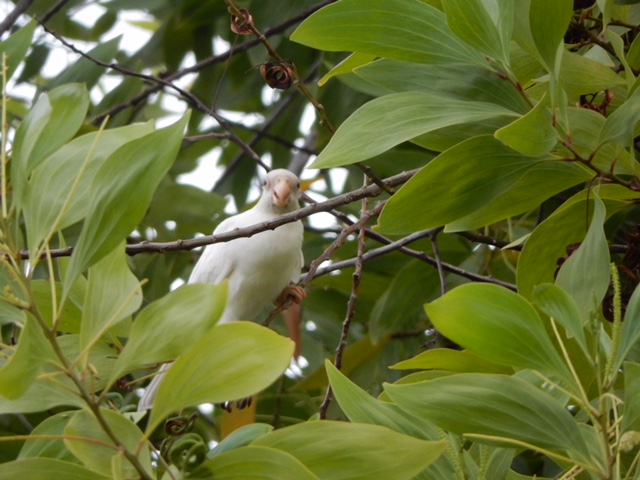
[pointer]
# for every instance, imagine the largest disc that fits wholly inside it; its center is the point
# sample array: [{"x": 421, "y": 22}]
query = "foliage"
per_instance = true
[{"x": 501, "y": 139}]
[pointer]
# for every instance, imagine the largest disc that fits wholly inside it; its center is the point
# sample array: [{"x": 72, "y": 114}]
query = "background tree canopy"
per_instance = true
[{"x": 471, "y": 237}]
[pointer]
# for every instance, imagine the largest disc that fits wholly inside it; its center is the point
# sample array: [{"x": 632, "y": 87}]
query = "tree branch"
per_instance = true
[
  {"x": 14, "y": 14},
  {"x": 190, "y": 244}
]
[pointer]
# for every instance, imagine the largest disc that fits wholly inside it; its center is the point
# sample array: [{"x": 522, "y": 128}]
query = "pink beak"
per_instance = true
[{"x": 282, "y": 192}]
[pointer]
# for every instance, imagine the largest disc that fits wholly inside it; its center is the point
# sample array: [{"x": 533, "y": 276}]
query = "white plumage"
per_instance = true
[{"x": 258, "y": 268}]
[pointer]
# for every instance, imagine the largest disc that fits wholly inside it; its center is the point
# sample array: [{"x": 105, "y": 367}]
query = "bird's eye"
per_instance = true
[{"x": 298, "y": 185}]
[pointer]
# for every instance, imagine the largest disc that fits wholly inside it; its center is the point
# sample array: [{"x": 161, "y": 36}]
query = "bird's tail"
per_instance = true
[{"x": 149, "y": 395}]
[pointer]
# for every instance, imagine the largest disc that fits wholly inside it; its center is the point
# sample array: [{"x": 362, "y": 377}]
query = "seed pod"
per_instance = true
[
  {"x": 242, "y": 25},
  {"x": 277, "y": 75}
]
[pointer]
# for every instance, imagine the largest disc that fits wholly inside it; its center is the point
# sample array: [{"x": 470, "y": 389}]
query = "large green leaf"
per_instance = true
[
  {"x": 122, "y": 190},
  {"x": 546, "y": 179},
  {"x": 452, "y": 361},
  {"x": 360, "y": 407},
  {"x": 585, "y": 274},
  {"x": 229, "y": 362},
  {"x": 471, "y": 175},
  {"x": 253, "y": 462},
  {"x": 621, "y": 124},
  {"x": 44, "y": 468},
  {"x": 630, "y": 331},
  {"x": 60, "y": 189},
  {"x": 51, "y": 122},
  {"x": 580, "y": 75},
  {"x": 170, "y": 325},
  {"x": 631, "y": 405},
  {"x": 16, "y": 46},
  {"x": 498, "y": 406},
  {"x": 97, "y": 455},
  {"x": 43, "y": 445},
  {"x": 549, "y": 20},
  {"x": 532, "y": 134},
  {"x": 497, "y": 324},
  {"x": 387, "y": 121},
  {"x": 412, "y": 31},
  {"x": 559, "y": 305},
  {"x": 484, "y": 25},
  {"x": 463, "y": 82},
  {"x": 113, "y": 293},
  {"x": 548, "y": 243},
  {"x": 339, "y": 450},
  {"x": 21, "y": 369}
]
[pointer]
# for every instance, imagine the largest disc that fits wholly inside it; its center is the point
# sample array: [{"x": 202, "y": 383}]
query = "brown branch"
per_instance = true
[
  {"x": 223, "y": 57},
  {"x": 399, "y": 246},
  {"x": 365, "y": 215},
  {"x": 190, "y": 244},
  {"x": 14, "y": 14}
]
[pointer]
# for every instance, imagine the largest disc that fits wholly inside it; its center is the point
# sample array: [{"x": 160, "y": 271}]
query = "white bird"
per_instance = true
[{"x": 260, "y": 268}]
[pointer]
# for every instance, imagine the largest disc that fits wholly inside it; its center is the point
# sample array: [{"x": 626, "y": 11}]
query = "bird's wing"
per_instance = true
[{"x": 215, "y": 263}]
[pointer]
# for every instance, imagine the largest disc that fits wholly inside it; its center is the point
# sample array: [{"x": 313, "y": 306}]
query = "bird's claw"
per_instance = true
[{"x": 296, "y": 292}]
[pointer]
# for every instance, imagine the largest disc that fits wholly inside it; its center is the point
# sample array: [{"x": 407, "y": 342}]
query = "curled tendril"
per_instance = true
[
  {"x": 277, "y": 75},
  {"x": 242, "y": 25},
  {"x": 188, "y": 452},
  {"x": 180, "y": 425}
]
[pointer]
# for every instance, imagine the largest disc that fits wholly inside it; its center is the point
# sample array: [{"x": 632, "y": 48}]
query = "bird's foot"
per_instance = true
[{"x": 296, "y": 292}]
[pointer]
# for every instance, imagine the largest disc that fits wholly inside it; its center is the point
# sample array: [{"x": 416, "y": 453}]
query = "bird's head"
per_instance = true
[{"x": 282, "y": 189}]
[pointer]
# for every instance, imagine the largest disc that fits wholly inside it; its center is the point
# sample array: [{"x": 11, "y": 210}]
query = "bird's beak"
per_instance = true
[{"x": 282, "y": 192}]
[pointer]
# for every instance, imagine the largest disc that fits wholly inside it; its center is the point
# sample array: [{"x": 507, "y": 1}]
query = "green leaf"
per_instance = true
[
  {"x": 451, "y": 361},
  {"x": 229, "y": 362},
  {"x": 412, "y": 31},
  {"x": 498, "y": 325},
  {"x": 463, "y": 82},
  {"x": 123, "y": 188},
  {"x": 51, "y": 122},
  {"x": 549, "y": 20},
  {"x": 48, "y": 447},
  {"x": 169, "y": 326},
  {"x": 471, "y": 175},
  {"x": 241, "y": 437},
  {"x": 53, "y": 180},
  {"x": 631, "y": 405},
  {"x": 580, "y": 75},
  {"x": 497, "y": 406},
  {"x": 98, "y": 456},
  {"x": 113, "y": 293},
  {"x": 488, "y": 31},
  {"x": 16, "y": 46},
  {"x": 532, "y": 134},
  {"x": 86, "y": 71},
  {"x": 542, "y": 181},
  {"x": 42, "y": 469},
  {"x": 360, "y": 407},
  {"x": 400, "y": 303},
  {"x": 547, "y": 244},
  {"x": 620, "y": 125},
  {"x": 339, "y": 450},
  {"x": 253, "y": 462},
  {"x": 630, "y": 331},
  {"x": 559, "y": 305},
  {"x": 21, "y": 369},
  {"x": 585, "y": 274},
  {"x": 350, "y": 63},
  {"x": 390, "y": 120}
]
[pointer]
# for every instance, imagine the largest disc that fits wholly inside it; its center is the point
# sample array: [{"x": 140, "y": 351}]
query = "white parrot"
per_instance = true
[{"x": 259, "y": 268}]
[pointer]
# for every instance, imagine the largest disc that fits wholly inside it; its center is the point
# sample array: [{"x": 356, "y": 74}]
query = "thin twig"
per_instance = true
[
  {"x": 351, "y": 305},
  {"x": 438, "y": 258},
  {"x": 14, "y": 14}
]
